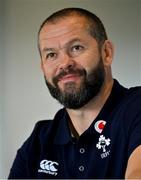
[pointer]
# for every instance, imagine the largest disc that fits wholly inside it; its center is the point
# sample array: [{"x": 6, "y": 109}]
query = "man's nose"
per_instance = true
[{"x": 66, "y": 62}]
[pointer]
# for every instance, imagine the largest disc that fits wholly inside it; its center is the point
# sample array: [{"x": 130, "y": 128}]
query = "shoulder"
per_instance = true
[
  {"x": 45, "y": 130},
  {"x": 132, "y": 98},
  {"x": 128, "y": 112},
  {"x": 38, "y": 133},
  {"x": 130, "y": 107},
  {"x": 43, "y": 125},
  {"x": 135, "y": 91},
  {"x": 131, "y": 116},
  {"x": 127, "y": 99}
]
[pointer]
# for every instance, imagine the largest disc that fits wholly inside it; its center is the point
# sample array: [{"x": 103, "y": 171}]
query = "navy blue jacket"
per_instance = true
[{"x": 102, "y": 151}]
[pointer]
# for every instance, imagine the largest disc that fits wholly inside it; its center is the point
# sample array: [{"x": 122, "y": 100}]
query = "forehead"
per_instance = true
[{"x": 72, "y": 25}]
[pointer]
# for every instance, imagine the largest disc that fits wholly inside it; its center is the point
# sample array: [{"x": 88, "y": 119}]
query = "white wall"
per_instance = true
[
  {"x": 26, "y": 99},
  {"x": 1, "y": 80}
]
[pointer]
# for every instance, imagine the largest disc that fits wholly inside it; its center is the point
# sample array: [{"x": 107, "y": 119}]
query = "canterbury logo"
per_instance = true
[{"x": 48, "y": 167}]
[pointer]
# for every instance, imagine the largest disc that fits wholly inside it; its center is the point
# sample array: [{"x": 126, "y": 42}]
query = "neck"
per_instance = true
[{"x": 82, "y": 118}]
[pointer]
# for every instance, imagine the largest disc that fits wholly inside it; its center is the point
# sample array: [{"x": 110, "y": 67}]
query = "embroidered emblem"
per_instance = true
[
  {"x": 99, "y": 126},
  {"x": 103, "y": 142},
  {"x": 48, "y": 167}
]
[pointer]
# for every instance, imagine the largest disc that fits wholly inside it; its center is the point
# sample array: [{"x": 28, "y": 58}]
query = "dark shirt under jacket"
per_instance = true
[{"x": 51, "y": 151}]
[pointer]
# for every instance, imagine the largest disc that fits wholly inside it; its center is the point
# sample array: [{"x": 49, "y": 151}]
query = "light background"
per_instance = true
[{"x": 24, "y": 98}]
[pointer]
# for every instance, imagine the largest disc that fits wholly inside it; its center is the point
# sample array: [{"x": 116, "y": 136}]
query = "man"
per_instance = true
[{"x": 98, "y": 132}]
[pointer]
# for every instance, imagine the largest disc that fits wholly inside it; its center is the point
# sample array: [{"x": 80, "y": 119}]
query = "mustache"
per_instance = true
[{"x": 79, "y": 72}]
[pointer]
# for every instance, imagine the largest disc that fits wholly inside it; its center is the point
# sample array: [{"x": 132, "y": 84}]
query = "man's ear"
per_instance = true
[{"x": 107, "y": 53}]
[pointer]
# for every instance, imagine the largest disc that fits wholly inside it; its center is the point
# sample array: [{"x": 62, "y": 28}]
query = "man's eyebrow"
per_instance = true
[
  {"x": 45, "y": 49},
  {"x": 74, "y": 40}
]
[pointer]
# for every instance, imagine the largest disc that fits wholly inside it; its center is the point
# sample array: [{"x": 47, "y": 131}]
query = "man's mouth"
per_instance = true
[{"x": 69, "y": 78}]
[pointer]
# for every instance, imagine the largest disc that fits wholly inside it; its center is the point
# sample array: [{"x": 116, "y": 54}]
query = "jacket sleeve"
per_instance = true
[
  {"x": 133, "y": 119},
  {"x": 23, "y": 164},
  {"x": 18, "y": 170}
]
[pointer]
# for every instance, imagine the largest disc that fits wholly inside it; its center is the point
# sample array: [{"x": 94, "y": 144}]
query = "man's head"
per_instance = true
[
  {"x": 75, "y": 56},
  {"x": 94, "y": 24}
]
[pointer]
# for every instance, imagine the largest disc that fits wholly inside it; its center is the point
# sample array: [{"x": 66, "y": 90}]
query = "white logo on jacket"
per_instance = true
[
  {"x": 48, "y": 167},
  {"x": 103, "y": 142}
]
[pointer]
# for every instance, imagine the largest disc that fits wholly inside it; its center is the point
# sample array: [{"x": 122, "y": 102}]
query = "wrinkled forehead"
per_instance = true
[{"x": 63, "y": 26}]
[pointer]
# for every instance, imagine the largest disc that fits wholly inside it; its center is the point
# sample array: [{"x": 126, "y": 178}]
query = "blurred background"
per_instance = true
[{"x": 24, "y": 98}]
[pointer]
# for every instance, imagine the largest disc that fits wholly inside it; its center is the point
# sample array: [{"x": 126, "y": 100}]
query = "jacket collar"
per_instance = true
[{"x": 63, "y": 134}]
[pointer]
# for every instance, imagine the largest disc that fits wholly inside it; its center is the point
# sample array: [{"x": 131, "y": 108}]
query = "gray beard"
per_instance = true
[{"x": 74, "y": 98}]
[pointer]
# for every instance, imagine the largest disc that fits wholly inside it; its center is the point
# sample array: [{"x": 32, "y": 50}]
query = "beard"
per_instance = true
[{"x": 73, "y": 97}]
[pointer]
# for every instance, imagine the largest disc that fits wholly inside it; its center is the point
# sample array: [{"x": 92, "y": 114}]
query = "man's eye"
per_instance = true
[
  {"x": 51, "y": 55},
  {"x": 77, "y": 48}
]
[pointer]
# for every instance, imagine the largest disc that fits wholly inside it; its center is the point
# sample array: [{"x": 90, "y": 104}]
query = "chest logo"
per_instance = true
[
  {"x": 99, "y": 126},
  {"x": 102, "y": 144},
  {"x": 48, "y": 167}
]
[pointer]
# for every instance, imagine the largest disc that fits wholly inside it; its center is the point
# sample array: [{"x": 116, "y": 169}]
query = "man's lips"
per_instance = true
[{"x": 69, "y": 77}]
